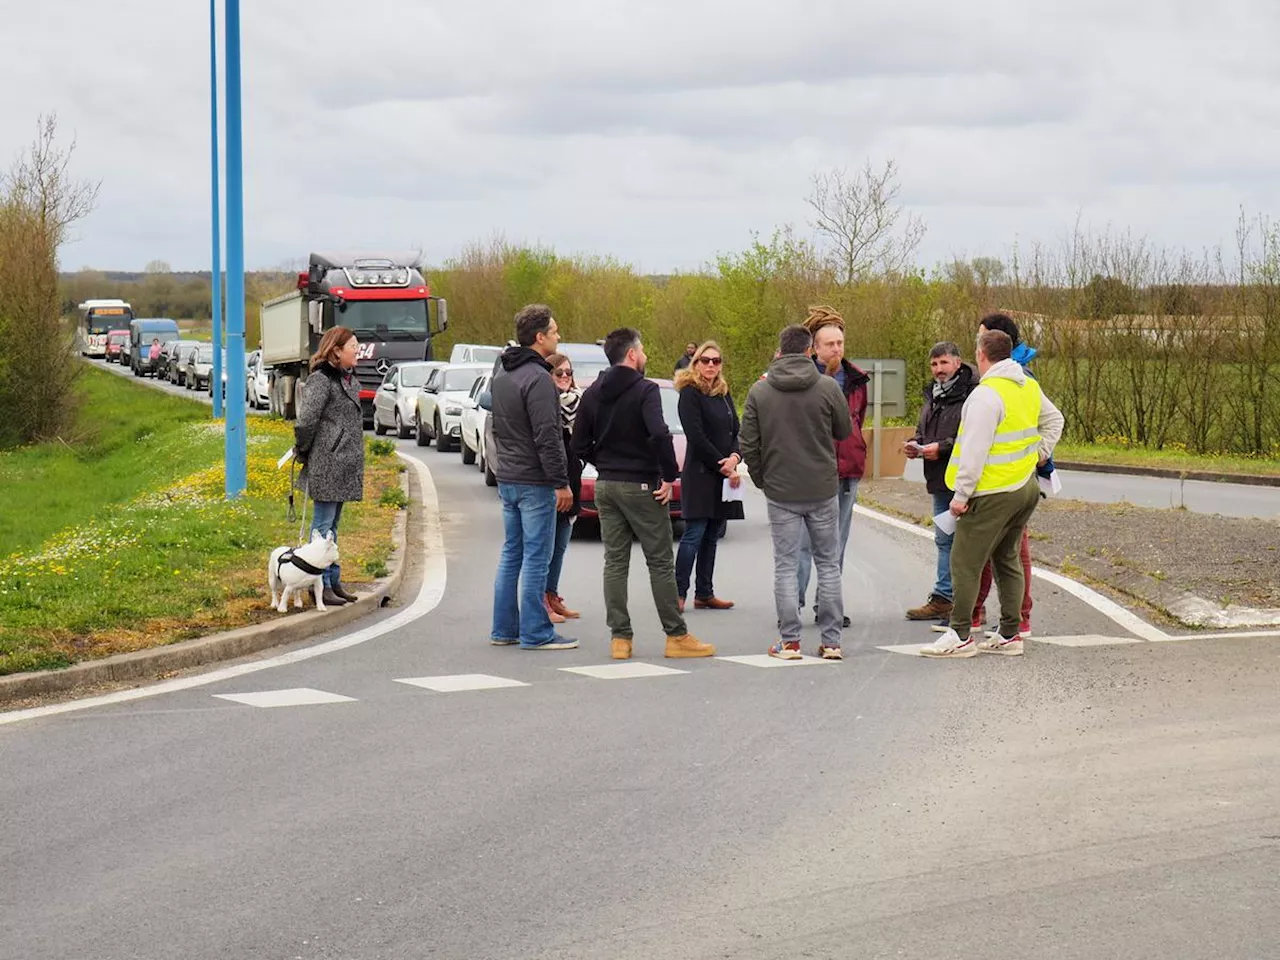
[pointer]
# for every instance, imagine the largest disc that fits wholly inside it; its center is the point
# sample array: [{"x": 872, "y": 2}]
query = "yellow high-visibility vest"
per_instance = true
[{"x": 1014, "y": 450}]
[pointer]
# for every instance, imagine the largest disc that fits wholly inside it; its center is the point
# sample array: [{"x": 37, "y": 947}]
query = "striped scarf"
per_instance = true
[{"x": 569, "y": 401}]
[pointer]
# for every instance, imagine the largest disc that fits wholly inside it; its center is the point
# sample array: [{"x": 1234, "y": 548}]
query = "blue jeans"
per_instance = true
[
  {"x": 520, "y": 584},
  {"x": 698, "y": 542},
  {"x": 942, "y": 586},
  {"x": 847, "y": 497},
  {"x": 564, "y": 529},
  {"x": 324, "y": 520}
]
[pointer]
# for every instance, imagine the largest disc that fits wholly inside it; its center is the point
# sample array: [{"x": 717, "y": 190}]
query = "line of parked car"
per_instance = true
[
  {"x": 448, "y": 402},
  {"x": 189, "y": 364}
]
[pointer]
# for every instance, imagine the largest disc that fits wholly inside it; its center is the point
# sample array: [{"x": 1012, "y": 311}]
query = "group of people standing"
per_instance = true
[
  {"x": 617, "y": 425},
  {"x": 986, "y": 435}
]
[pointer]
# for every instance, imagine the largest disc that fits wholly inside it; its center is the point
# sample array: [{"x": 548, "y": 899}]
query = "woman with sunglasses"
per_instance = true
[
  {"x": 570, "y": 397},
  {"x": 710, "y": 422}
]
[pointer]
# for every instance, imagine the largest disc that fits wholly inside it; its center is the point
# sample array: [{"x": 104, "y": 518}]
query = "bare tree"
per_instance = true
[
  {"x": 859, "y": 215},
  {"x": 39, "y": 201}
]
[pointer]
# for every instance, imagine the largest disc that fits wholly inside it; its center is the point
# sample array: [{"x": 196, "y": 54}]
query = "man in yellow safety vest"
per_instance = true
[{"x": 1007, "y": 427}]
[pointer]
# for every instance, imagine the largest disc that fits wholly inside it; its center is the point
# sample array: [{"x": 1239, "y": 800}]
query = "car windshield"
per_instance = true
[
  {"x": 206, "y": 353},
  {"x": 485, "y": 354},
  {"x": 460, "y": 379},
  {"x": 671, "y": 408},
  {"x": 414, "y": 376},
  {"x": 386, "y": 319},
  {"x": 584, "y": 371}
]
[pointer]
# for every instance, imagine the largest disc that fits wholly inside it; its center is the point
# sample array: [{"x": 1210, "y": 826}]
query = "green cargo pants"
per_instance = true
[
  {"x": 627, "y": 508},
  {"x": 991, "y": 530}
]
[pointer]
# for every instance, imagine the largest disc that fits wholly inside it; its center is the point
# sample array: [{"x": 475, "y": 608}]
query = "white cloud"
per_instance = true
[{"x": 660, "y": 133}]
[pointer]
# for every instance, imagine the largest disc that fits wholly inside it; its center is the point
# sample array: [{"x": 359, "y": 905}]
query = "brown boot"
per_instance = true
[
  {"x": 688, "y": 646},
  {"x": 935, "y": 609},
  {"x": 555, "y": 602},
  {"x": 712, "y": 603},
  {"x": 621, "y": 648},
  {"x": 546, "y": 605}
]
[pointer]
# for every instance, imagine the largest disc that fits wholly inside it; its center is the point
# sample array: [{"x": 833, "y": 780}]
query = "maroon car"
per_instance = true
[
  {"x": 114, "y": 339},
  {"x": 671, "y": 413}
]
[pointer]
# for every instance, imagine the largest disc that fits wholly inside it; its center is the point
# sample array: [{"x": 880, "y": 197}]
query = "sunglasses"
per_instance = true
[
  {"x": 711, "y": 361},
  {"x": 563, "y": 373}
]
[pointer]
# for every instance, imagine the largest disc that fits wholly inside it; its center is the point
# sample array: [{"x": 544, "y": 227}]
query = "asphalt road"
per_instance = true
[
  {"x": 1080, "y": 802},
  {"x": 1199, "y": 496}
]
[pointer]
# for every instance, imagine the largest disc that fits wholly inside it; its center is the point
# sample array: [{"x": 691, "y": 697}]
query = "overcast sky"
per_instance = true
[{"x": 660, "y": 133}]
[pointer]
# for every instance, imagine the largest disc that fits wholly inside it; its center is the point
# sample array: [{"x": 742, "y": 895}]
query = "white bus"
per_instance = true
[{"x": 97, "y": 318}]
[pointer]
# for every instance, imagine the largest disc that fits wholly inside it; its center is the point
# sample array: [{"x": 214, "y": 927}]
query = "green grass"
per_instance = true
[
  {"x": 1174, "y": 459},
  {"x": 125, "y": 440},
  {"x": 123, "y": 540}
]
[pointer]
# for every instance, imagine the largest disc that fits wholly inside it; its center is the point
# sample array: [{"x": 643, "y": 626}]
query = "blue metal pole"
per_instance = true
[
  {"x": 216, "y": 305},
  {"x": 235, "y": 448}
]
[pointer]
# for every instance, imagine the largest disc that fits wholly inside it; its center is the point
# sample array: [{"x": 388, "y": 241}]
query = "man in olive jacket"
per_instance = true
[
  {"x": 790, "y": 422},
  {"x": 533, "y": 482}
]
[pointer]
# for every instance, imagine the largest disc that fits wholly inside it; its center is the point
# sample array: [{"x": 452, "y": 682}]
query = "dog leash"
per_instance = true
[{"x": 292, "y": 512}]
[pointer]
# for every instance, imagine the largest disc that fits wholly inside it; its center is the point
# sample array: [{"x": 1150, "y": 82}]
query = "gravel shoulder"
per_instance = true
[{"x": 1192, "y": 570}]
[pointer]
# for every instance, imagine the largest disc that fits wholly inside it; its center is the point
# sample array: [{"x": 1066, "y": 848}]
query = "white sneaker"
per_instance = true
[
  {"x": 994, "y": 643},
  {"x": 950, "y": 645}
]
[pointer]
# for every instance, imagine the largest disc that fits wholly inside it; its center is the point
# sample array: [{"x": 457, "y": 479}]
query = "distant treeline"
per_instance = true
[{"x": 1136, "y": 343}]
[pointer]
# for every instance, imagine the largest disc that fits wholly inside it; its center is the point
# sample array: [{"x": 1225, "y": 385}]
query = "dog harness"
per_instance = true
[{"x": 289, "y": 557}]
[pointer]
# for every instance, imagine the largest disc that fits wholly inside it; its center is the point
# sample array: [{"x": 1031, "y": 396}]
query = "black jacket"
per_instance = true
[
  {"x": 711, "y": 434},
  {"x": 528, "y": 433},
  {"x": 621, "y": 430},
  {"x": 940, "y": 423}
]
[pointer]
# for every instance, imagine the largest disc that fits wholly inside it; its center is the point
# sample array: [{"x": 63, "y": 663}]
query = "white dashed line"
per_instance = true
[
  {"x": 296, "y": 697},
  {"x": 623, "y": 671},
  {"x": 462, "y": 682},
  {"x": 764, "y": 660}
]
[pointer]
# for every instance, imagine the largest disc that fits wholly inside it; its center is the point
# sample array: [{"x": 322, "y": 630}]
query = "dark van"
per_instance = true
[{"x": 141, "y": 333}]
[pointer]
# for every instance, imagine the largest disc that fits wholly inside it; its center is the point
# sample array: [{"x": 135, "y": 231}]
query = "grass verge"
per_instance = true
[
  {"x": 1172, "y": 459},
  {"x": 118, "y": 538}
]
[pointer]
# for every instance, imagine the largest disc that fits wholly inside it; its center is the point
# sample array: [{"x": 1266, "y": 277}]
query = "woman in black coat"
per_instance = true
[{"x": 710, "y": 423}]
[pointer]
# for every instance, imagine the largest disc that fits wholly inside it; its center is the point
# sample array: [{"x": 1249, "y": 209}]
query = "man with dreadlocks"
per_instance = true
[{"x": 827, "y": 327}]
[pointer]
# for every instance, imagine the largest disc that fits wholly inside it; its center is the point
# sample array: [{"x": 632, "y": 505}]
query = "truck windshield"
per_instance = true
[{"x": 386, "y": 319}]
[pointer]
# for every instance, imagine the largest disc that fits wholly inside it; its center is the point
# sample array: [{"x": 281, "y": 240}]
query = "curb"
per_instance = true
[
  {"x": 1169, "y": 474},
  {"x": 286, "y": 628}
]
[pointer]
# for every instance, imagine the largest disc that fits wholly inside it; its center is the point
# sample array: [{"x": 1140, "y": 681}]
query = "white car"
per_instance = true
[
  {"x": 393, "y": 404},
  {"x": 257, "y": 385},
  {"x": 438, "y": 414},
  {"x": 473, "y": 418},
  {"x": 474, "y": 353}
]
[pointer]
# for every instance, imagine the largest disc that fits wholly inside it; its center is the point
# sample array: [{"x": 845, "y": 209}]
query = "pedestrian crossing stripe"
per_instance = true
[
  {"x": 764, "y": 660},
  {"x": 295, "y": 697},
  {"x": 623, "y": 671},
  {"x": 462, "y": 682}
]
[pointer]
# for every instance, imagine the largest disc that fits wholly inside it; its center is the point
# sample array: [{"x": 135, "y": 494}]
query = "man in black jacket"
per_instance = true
[
  {"x": 953, "y": 381},
  {"x": 620, "y": 429},
  {"x": 533, "y": 482}
]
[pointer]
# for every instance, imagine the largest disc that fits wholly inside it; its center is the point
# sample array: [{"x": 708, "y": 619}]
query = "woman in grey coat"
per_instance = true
[{"x": 329, "y": 440}]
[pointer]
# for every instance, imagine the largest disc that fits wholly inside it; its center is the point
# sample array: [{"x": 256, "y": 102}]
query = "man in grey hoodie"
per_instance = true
[
  {"x": 1007, "y": 427},
  {"x": 789, "y": 424}
]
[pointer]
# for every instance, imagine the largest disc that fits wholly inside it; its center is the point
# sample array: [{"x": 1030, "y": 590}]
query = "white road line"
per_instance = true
[
  {"x": 1254, "y": 634},
  {"x": 462, "y": 682},
  {"x": 910, "y": 649},
  {"x": 623, "y": 671},
  {"x": 1084, "y": 640},
  {"x": 1104, "y": 605},
  {"x": 429, "y": 597},
  {"x": 764, "y": 660},
  {"x": 296, "y": 697}
]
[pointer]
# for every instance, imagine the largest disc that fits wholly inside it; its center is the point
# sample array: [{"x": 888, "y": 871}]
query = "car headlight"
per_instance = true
[{"x": 453, "y": 411}]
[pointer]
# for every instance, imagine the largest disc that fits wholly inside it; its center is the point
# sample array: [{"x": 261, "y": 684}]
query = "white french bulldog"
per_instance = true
[{"x": 291, "y": 570}]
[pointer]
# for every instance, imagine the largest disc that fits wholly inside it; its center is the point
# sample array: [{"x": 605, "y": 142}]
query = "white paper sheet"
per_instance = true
[
  {"x": 728, "y": 494},
  {"x": 285, "y": 459},
  {"x": 946, "y": 522},
  {"x": 1050, "y": 485}
]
